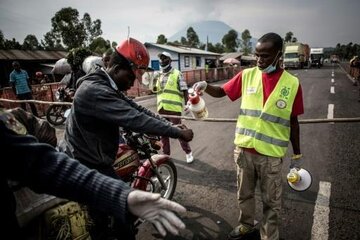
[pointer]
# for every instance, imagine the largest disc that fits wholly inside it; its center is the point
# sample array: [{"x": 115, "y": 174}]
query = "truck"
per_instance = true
[
  {"x": 317, "y": 57},
  {"x": 296, "y": 55}
]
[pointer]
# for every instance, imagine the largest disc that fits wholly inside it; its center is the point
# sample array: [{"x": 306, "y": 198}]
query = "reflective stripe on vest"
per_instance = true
[
  {"x": 170, "y": 98},
  {"x": 265, "y": 127}
]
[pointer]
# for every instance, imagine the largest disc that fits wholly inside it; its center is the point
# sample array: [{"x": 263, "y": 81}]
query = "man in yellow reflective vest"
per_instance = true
[
  {"x": 172, "y": 93},
  {"x": 271, "y": 100}
]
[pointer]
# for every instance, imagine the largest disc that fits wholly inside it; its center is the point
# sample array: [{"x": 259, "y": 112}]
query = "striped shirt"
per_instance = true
[{"x": 20, "y": 79}]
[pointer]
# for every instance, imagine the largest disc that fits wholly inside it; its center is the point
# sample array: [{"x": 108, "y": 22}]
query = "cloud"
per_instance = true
[{"x": 320, "y": 23}]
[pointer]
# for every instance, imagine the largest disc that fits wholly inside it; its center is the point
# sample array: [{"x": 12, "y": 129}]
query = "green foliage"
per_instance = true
[
  {"x": 217, "y": 48},
  {"x": 99, "y": 45},
  {"x": 12, "y": 44},
  {"x": 31, "y": 43},
  {"x": 2, "y": 40},
  {"x": 72, "y": 31},
  {"x": 161, "y": 39},
  {"x": 183, "y": 41},
  {"x": 192, "y": 38},
  {"x": 230, "y": 41},
  {"x": 288, "y": 37},
  {"x": 245, "y": 43},
  {"x": 347, "y": 51},
  {"x": 76, "y": 56},
  {"x": 93, "y": 29}
]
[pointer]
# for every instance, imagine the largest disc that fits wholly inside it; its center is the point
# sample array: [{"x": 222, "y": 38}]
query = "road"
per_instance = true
[{"x": 330, "y": 209}]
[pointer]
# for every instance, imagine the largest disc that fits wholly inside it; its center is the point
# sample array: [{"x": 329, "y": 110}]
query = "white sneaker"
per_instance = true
[{"x": 189, "y": 158}]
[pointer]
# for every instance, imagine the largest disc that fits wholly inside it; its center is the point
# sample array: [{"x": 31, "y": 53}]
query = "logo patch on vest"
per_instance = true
[
  {"x": 284, "y": 92},
  {"x": 251, "y": 90},
  {"x": 281, "y": 104}
]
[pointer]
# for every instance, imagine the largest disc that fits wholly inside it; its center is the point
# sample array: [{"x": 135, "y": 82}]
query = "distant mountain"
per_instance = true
[{"x": 213, "y": 30}]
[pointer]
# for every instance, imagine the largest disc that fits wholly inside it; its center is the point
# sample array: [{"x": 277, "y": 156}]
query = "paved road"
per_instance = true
[{"x": 330, "y": 209}]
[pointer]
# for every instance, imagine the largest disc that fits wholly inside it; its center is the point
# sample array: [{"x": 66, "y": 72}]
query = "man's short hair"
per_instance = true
[
  {"x": 274, "y": 38},
  {"x": 15, "y": 63},
  {"x": 118, "y": 59}
]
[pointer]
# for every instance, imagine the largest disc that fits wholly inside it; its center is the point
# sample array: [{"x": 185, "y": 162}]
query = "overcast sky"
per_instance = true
[{"x": 320, "y": 23}]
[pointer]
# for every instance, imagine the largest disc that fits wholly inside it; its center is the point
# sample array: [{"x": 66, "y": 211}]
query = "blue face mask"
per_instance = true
[
  {"x": 269, "y": 69},
  {"x": 272, "y": 67}
]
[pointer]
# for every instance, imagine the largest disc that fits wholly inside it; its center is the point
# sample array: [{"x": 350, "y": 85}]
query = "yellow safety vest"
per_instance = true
[
  {"x": 170, "y": 98},
  {"x": 265, "y": 127}
]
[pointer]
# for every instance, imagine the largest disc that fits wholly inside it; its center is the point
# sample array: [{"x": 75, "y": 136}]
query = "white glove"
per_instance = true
[
  {"x": 157, "y": 210},
  {"x": 296, "y": 161},
  {"x": 200, "y": 86}
]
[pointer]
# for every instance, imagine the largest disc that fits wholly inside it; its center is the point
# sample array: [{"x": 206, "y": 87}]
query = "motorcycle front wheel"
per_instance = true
[
  {"x": 55, "y": 114},
  {"x": 168, "y": 173}
]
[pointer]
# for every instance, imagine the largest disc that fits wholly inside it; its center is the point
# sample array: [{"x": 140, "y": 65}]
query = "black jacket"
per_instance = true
[
  {"x": 98, "y": 110},
  {"x": 43, "y": 169}
]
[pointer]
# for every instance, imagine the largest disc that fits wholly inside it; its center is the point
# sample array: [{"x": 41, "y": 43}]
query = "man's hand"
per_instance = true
[
  {"x": 200, "y": 86},
  {"x": 186, "y": 134},
  {"x": 159, "y": 211},
  {"x": 296, "y": 161}
]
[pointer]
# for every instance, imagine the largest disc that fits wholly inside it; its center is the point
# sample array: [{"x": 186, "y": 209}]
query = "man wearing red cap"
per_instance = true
[{"x": 100, "y": 108}]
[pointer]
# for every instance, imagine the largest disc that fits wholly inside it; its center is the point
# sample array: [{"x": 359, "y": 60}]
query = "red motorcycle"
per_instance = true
[{"x": 138, "y": 163}]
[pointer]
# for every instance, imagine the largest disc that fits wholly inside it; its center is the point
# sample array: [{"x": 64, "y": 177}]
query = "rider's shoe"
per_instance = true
[{"x": 189, "y": 158}]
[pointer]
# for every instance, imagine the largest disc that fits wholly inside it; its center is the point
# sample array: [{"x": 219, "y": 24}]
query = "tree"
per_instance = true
[
  {"x": 12, "y": 44},
  {"x": 31, "y": 43},
  {"x": 52, "y": 41},
  {"x": 192, "y": 38},
  {"x": 230, "y": 41},
  {"x": 245, "y": 43},
  {"x": 183, "y": 41},
  {"x": 288, "y": 37},
  {"x": 93, "y": 29},
  {"x": 2, "y": 40},
  {"x": 217, "y": 48},
  {"x": 161, "y": 39},
  {"x": 99, "y": 45},
  {"x": 294, "y": 39},
  {"x": 72, "y": 31}
]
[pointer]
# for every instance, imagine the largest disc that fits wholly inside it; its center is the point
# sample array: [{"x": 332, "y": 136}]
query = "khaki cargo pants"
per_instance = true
[{"x": 267, "y": 171}]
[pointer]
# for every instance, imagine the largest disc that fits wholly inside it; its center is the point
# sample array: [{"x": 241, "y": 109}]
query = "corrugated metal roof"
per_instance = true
[
  {"x": 235, "y": 55},
  {"x": 31, "y": 55},
  {"x": 186, "y": 50}
]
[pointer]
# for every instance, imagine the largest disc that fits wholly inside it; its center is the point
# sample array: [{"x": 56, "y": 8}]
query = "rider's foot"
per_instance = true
[{"x": 189, "y": 158}]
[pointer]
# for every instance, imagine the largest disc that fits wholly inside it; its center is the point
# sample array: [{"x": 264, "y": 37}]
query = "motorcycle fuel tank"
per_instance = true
[{"x": 126, "y": 163}]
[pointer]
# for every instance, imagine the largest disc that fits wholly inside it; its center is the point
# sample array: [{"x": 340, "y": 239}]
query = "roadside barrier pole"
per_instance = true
[{"x": 301, "y": 121}]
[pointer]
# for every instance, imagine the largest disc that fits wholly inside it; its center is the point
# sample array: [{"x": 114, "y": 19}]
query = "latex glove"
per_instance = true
[
  {"x": 296, "y": 161},
  {"x": 157, "y": 210},
  {"x": 200, "y": 86}
]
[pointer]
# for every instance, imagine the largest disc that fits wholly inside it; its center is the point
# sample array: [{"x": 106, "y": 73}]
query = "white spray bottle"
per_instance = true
[{"x": 196, "y": 105}]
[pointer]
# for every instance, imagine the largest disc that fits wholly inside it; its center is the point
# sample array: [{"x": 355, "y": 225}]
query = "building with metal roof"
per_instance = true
[
  {"x": 30, "y": 60},
  {"x": 183, "y": 58}
]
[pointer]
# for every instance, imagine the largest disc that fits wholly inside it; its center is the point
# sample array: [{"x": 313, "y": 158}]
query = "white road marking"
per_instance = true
[
  {"x": 330, "y": 114},
  {"x": 320, "y": 228},
  {"x": 332, "y": 80},
  {"x": 332, "y": 89}
]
